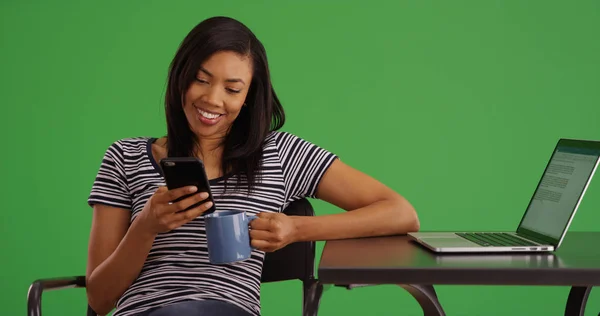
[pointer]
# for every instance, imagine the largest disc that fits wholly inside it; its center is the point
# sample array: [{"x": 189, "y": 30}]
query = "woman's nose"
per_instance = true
[{"x": 212, "y": 97}]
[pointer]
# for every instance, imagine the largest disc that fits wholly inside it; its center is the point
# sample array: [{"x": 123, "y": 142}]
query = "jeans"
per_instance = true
[{"x": 198, "y": 308}]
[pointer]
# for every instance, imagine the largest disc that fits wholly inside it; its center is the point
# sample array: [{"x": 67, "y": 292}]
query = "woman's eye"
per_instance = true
[
  {"x": 201, "y": 80},
  {"x": 233, "y": 90}
]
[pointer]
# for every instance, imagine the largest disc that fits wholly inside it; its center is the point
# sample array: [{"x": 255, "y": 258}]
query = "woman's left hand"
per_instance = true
[{"x": 272, "y": 231}]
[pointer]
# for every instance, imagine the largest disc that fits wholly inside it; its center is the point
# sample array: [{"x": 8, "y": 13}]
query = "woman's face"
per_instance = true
[{"x": 214, "y": 100}]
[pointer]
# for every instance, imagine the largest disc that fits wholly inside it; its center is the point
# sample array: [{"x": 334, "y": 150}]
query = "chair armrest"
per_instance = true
[
  {"x": 300, "y": 207},
  {"x": 296, "y": 260},
  {"x": 34, "y": 295}
]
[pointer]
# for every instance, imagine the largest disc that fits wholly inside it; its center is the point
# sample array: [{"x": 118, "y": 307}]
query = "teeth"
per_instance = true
[{"x": 208, "y": 115}]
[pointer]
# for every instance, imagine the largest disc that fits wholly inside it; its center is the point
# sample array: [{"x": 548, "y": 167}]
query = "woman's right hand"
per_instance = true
[{"x": 159, "y": 215}]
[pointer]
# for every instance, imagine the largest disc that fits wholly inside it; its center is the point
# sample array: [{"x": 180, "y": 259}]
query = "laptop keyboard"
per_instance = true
[{"x": 495, "y": 239}]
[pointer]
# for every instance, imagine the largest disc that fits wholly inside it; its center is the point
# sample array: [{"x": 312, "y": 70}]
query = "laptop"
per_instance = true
[{"x": 548, "y": 215}]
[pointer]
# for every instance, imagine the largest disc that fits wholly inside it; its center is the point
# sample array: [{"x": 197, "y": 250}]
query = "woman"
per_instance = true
[{"x": 147, "y": 258}]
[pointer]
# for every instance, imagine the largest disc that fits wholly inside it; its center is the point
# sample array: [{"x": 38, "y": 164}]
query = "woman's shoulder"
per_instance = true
[
  {"x": 129, "y": 146},
  {"x": 290, "y": 146},
  {"x": 279, "y": 137},
  {"x": 132, "y": 142},
  {"x": 283, "y": 140}
]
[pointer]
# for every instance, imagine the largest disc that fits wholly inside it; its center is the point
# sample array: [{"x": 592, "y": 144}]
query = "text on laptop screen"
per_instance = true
[{"x": 559, "y": 191}]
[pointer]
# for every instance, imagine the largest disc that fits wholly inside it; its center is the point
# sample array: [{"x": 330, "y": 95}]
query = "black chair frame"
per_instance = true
[{"x": 294, "y": 262}]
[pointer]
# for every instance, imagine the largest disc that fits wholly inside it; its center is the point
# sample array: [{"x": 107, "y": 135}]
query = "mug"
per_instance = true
[{"x": 228, "y": 236}]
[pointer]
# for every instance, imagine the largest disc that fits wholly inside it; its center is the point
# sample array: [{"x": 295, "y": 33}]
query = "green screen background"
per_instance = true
[{"x": 454, "y": 104}]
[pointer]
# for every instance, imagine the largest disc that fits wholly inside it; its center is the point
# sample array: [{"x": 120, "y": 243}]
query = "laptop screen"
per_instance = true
[{"x": 561, "y": 187}]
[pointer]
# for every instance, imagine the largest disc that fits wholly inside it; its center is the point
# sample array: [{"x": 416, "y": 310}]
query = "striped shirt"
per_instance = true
[{"x": 177, "y": 267}]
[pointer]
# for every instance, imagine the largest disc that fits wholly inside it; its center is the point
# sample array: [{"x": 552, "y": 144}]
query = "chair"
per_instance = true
[{"x": 293, "y": 262}]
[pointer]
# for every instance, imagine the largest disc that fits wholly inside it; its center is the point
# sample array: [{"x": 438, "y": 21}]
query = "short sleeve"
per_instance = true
[
  {"x": 110, "y": 185},
  {"x": 303, "y": 164}
]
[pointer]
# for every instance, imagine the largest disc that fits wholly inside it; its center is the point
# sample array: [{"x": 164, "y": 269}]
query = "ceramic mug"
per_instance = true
[{"x": 228, "y": 236}]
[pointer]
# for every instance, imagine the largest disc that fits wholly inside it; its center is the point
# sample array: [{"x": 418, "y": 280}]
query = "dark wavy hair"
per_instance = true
[{"x": 263, "y": 112}]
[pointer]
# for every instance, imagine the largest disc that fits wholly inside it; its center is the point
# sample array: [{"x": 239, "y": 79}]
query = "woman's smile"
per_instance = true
[{"x": 207, "y": 117}]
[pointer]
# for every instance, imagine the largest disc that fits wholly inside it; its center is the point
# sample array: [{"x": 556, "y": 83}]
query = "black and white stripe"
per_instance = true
[{"x": 177, "y": 266}]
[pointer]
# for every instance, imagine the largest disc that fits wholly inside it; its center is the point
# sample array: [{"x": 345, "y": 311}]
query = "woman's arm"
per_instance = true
[
  {"x": 115, "y": 257},
  {"x": 117, "y": 251},
  {"x": 373, "y": 208}
]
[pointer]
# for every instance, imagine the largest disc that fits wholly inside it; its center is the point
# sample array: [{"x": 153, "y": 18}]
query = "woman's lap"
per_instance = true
[{"x": 198, "y": 308}]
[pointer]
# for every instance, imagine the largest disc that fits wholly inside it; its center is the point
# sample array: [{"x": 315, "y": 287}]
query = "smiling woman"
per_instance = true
[{"x": 146, "y": 257}]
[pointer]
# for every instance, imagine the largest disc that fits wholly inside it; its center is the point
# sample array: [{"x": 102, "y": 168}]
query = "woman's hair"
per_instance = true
[{"x": 263, "y": 112}]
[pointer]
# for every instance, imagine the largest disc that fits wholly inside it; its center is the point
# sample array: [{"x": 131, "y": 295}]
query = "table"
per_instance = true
[{"x": 398, "y": 260}]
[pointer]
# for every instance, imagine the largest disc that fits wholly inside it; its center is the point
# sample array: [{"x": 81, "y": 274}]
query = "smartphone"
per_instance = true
[{"x": 187, "y": 171}]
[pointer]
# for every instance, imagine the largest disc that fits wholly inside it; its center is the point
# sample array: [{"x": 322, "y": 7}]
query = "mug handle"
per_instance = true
[{"x": 250, "y": 219}]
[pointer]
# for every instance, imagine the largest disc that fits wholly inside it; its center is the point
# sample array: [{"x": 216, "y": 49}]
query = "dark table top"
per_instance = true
[{"x": 397, "y": 260}]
